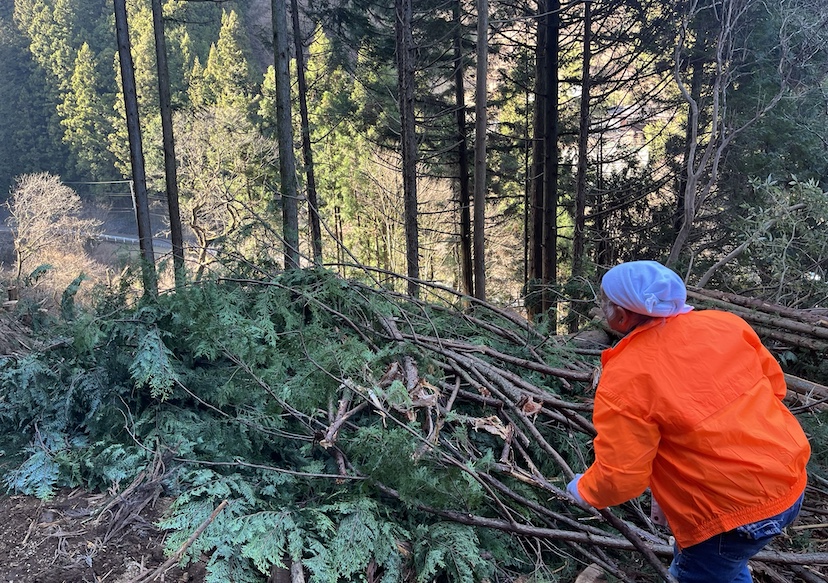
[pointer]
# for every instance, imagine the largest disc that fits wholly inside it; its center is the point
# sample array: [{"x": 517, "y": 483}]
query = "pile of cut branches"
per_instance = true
[
  {"x": 788, "y": 327},
  {"x": 356, "y": 433},
  {"x": 784, "y": 330}
]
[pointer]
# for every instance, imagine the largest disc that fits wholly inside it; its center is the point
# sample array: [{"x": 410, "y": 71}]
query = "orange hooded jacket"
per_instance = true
[{"x": 691, "y": 407}]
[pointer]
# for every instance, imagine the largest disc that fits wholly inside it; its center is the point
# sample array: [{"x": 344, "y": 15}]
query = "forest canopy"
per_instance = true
[{"x": 676, "y": 132}]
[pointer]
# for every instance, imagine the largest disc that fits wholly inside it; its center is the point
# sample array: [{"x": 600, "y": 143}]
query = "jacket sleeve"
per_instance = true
[{"x": 625, "y": 447}]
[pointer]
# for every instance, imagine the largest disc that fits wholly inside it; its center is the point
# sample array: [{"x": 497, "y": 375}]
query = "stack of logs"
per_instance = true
[{"x": 781, "y": 329}]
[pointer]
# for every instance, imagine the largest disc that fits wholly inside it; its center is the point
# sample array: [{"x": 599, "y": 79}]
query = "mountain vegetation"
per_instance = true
[{"x": 313, "y": 412}]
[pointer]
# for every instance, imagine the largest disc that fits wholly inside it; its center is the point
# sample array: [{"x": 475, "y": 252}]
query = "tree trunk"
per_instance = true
[
  {"x": 695, "y": 93},
  {"x": 464, "y": 202},
  {"x": 534, "y": 268},
  {"x": 602, "y": 249},
  {"x": 405, "y": 80},
  {"x": 550, "y": 160},
  {"x": 583, "y": 150},
  {"x": 583, "y": 146},
  {"x": 284, "y": 128},
  {"x": 307, "y": 152},
  {"x": 138, "y": 186},
  {"x": 170, "y": 168},
  {"x": 481, "y": 101}
]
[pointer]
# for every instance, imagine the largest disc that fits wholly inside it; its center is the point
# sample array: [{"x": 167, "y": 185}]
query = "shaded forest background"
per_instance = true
[
  {"x": 377, "y": 361},
  {"x": 682, "y": 132}
]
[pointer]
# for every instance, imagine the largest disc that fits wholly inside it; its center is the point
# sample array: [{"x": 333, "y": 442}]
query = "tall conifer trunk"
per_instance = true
[
  {"x": 405, "y": 81},
  {"x": 136, "y": 151},
  {"x": 583, "y": 146},
  {"x": 534, "y": 267},
  {"x": 307, "y": 153},
  {"x": 284, "y": 128},
  {"x": 170, "y": 169},
  {"x": 481, "y": 102},
  {"x": 550, "y": 159},
  {"x": 579, "y": 236},
  {"x": 464, "y": 202}
]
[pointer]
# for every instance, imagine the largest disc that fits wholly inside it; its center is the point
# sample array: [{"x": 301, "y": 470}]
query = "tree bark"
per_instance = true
[
  {"x": 464, "y": 202},
  {"x": 284, "y": 128},
  {"x": 170, "y": 167},
  {"x": 550, "y": 160},
  {"x": 534, "y": 267},
  {"x": 695, "y": 94},
  {"x": 307, "y": 152},
  {"x": 138, "y": 186},
  {"x": 583, "y": 145},
  {"x": 578, "y": 246},
  {"x": 481, "y": 102},
  {"x": 405, "y": 82}
]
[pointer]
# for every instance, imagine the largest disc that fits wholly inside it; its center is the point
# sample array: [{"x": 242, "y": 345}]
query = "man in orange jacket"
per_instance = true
[{"x": 690, "y": 405}]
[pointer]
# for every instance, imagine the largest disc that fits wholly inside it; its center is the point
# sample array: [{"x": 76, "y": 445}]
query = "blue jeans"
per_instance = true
[{"x": 724, "y": 557}]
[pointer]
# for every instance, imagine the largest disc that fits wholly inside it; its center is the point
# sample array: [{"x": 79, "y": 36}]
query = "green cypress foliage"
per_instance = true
[
  {"x": 152, "y": 365},
  {"x": 232, "y": 383},
  {"x": 236, "y": 384},
  {"x": 85, "y": 114},
  {"x": 49, "y": 26},
  {"x": 453, "y": 548},
  {"x": 227, "y": 72},
  {"x": 29, "y": 139}
]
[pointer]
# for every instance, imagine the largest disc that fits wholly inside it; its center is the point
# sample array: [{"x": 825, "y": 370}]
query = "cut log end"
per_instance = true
[{"x": 592, "y": 574}]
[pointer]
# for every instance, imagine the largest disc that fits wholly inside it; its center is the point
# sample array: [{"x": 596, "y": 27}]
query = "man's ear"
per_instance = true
[
  {"x": 621, "y": 319},
  {"x": 622, "y": 315}
]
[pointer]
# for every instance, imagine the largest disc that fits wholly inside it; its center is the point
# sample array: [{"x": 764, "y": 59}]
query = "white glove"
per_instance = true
[
  {"x": 656, "y": 514},
  {"x": 572, "y": 490}
]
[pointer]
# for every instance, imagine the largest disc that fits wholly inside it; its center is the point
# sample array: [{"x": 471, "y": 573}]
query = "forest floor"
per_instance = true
[
  {"x": 78, "y": 536},
  {"x": 81, "y": 536},
  {"x": 70, "y": 540}
]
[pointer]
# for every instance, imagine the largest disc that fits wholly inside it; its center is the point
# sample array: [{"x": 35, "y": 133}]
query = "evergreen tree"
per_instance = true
[
  {"x": 227, "y": 72},
  {"x": 28, "y": 142},
  {"x": 83, "y": 119},
  {"x": 142, "y": 43},
  {"x": 199, "y": 92},
  {"x": 49, "y": 27}
]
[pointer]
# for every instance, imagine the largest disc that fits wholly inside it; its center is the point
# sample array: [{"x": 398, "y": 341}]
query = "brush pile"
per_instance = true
[{"x": 360, "y": 434}]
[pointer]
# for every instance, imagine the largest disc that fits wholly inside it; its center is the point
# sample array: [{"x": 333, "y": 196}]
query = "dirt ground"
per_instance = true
[{"x": 79, "y": 537}]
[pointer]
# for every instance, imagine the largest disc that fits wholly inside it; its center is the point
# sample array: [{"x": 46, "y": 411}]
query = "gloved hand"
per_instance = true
[
  {"x": 572, "y": 490},
  {"x": 657, "y": 515}
]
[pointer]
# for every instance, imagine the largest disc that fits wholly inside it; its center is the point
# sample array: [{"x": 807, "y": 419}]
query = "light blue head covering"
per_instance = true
[{"x": 646, "y": 287}]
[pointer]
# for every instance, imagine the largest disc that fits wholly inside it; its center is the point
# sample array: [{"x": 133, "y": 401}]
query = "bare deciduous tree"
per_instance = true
[
  {"x": 45, "y": 215},
  {"x": 222, "y": 162},
  {"x": 713, "y": 128}
]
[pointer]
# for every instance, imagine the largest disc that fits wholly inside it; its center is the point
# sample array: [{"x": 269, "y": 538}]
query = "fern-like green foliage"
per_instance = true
[
  {"x": 450, "y": 548},
  {"x": 67, "y": 300},
  {"x": 37, "y": 476},
  {"x": 234, "y": 384},
  {"x": 51, "y": 462},
  {"x": 152, "y": 365},
  {"x": 25, "y": 390}
]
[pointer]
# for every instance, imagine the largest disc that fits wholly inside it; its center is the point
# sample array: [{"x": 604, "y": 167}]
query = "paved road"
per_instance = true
[{"x": 158, "y": 244}]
